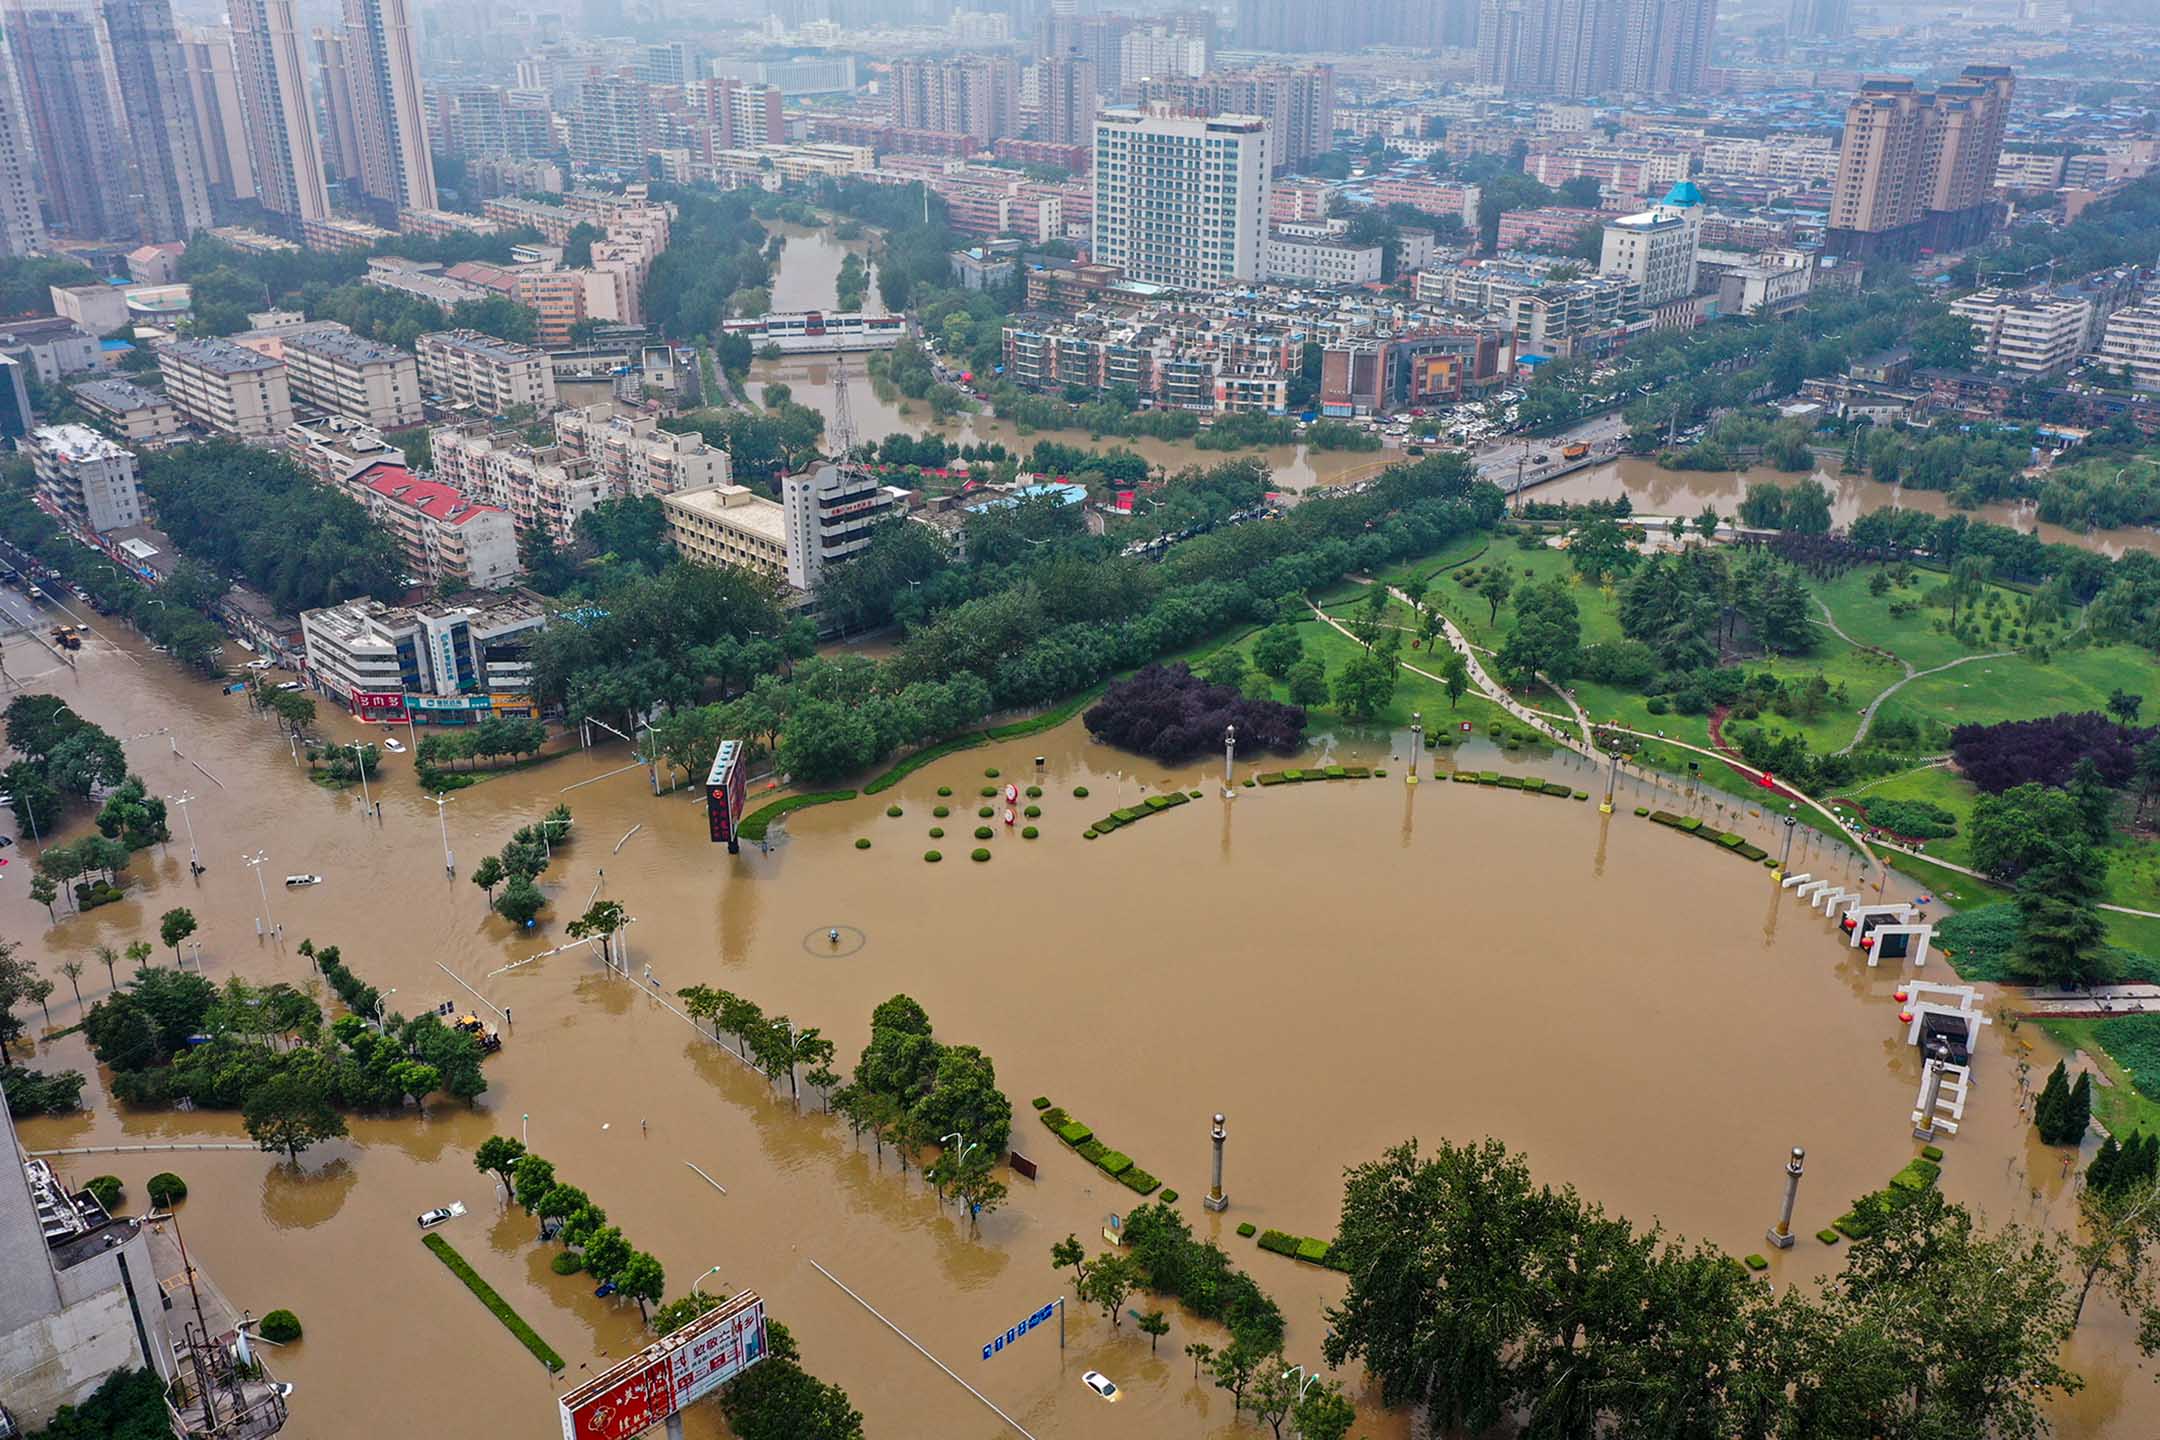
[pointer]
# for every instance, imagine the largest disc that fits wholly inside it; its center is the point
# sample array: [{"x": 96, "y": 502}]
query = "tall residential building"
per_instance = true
[
  {"x": 976, "y": 95},
  {"x": 1320, "y": 27},
  {"x": 1657, "y": 248},
  {"x": 384, "y": 68},
  {"x": 1160, "y": 53},
  {"x": 1915, "y": 166},
  {"x": 1068, "y": 100},
  {"x": 22, "y": 224},
  {"x": 613, "y": 129},
  {"x": 85, "y": 478},
  {"x": 1181, "y": 200},
  {"x": 164, "y": 137},
  {"x": 280, "y": 122},
  {"x": 339, "y": 128},
  {"x": 80, "y": 146},
  {"x": 1298, "y": 102},
  {"x": 1595, "y": 47},
  {"x": 214, "y": 94},
  {"x": 1819, "y": 19}
]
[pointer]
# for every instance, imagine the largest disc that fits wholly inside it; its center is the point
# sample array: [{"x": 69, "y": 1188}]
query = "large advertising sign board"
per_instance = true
[
  {"x": 725, "y": 788},
  {"x": 662, "y": 1378},
  {"x": 378, "y": 707}
]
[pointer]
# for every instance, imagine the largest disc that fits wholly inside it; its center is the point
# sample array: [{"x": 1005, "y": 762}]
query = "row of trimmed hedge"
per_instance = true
[
  {"x": 1325, "y": 772},
  {"x": 1723, "y": 839},
  {"x": 1916, "y": 1178},
  {"x": 1081, "y": 1139},
  {"x": 497, "y": 1306},
  {"x": 968, "y": 740},
  {"x": 1528, "y": 784},
  {"x": 755, "y": 824},
  {"x": 1133, "y": 814},
  {"x": 1300, "y": 1247}
]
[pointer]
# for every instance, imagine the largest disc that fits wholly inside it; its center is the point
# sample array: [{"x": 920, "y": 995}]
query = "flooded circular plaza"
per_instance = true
[{"x": 1335, "y": 966}]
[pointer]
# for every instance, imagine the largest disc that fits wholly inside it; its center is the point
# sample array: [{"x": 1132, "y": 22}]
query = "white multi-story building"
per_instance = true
[
  {"x": 381, "y": 659},
  {"x": 728, "y": 525},
  {"x": 448, "y": 536},
  {"x": 227, "y": 388},
  {"x": 86, "y": 478},
  {"x": 828, "y": 512},
  {"x": 1656, "y": 249},
  {"x": 534, "y": 484},
  {"x": 1320, "y": 260},
  {"x": 489, "y": 375},
  {"x": 2032, "y": 334},
  {"x": 635, "y": 456},
  {"x": 2132, "y": 343},
  {"x": 136, "y": 415},
  {"x": 349, "y": 375},
  {"x": 334, "y": 449},
  {"x": 1181, "y": 200}
]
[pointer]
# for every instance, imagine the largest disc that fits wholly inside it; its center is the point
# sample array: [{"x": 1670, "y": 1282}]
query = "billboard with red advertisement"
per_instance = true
[
  {"x": 378, "y": 707},
  {"x": 662, "y": 1378},
  {"x": 725, "y": 787}
]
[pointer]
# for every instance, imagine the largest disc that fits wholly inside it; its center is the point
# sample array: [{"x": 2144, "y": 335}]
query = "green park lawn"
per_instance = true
[
  {"x": 1913, "y": 637},
  {"x": 2019, "y": 687},
  {"x": 2117, "y": 1105},
  {"x": 1413, "y": 692},
  {"x": 1938, "y": 786}
]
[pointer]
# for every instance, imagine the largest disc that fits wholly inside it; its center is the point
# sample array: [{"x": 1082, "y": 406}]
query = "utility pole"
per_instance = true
[
  {"x": 1229, "y": 761},
  {"x": 1417, "y": 744},
  {"x": 367, "y": 803},
  {"x": 263, "y": 922},
  {"x": 449, "y": 861}
]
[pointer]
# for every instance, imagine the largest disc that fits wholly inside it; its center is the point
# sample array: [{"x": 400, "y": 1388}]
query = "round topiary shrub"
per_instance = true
[
  {"x": 166, "y": 1189},
  {"x": 985, "y": 812},
  {"x": 937, "y": 832},
  {"x": 982, "y": 832},
  {"x": 1034, "y": 792},
  {"x": 932, "y": 856},
  {"x": 991, "y": 773},
  {"x": 280, "y": 1327},
  {"x": 567, "y": 1263},
  {"x": 980, "y": 855},
  {"x": 1079, "y": 792},
  {"x": 944, "y": 789},
  {"x": 106, "y": 1190},
  {"x": 941, "y": 811},
  {"x": 1033, "y": 812},
  {"x": 988, "y": 791},
  {"x": 1029, "y": 832},
  {"x": 862, "y": 842},
  {"x": 893, "y": 811},
  {"x": 1192, "y": 794}
]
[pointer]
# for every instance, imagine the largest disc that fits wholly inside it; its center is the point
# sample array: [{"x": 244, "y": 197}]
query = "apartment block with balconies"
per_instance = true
[
  {"x": 349, "y": 375},
  {"x": 227, "y": 389},
  {"x": 481, "y": 373}
]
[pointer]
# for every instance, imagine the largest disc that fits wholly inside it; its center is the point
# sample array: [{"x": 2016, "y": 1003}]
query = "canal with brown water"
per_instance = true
[{"x": 1337, "y": 967}]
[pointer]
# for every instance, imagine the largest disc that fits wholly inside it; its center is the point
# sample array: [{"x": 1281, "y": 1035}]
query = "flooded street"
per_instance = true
[
  {"x": 1657, "y": 491},
  {"x": 1336, "y": 967}
]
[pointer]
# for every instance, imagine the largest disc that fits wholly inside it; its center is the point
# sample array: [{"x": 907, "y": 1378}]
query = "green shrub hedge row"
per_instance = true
[
  {"x": 497, "y": 1306},
  {"x": 1918, "y": 1176},
  {"x": 1114, "y": 1163},
  {"x": 1298, "y": 1247},
  {"x": 1723, "y": 839},
  {"x": 755, "y": 824},
  {"x": 1132, "y": 814},
  {"x": 1327, "y": 772},
  {"x": 921, "y": 758}
]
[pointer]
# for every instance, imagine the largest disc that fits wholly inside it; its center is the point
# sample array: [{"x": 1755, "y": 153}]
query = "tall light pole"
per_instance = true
[
  {"x": 1229, "y": 759},
  {"x": 1781, "y": 1235},
  {"x": 702, "y": 1278},
  {"x": 449, "y": 861},
  {"x": 1215, "y": 1199},
  {"x": 263, "y": 921},
  {"x": 525, "y": 1129},
  {"x": 367, "y": 803},
  {"x": 184, "y": 799},
  {"x": 1417, "y": 744},
  {"x": 381, "y": 1002},
  {"x": 964, "y": 1148}
]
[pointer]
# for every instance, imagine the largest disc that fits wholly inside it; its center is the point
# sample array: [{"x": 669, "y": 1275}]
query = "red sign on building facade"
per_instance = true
[
  {"x": 661, "y": 1379},
  {"x": 378, "y": 707}
]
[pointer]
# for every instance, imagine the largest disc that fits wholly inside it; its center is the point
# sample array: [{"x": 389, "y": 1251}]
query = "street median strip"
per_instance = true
[{"x": 499, "y": 1307}]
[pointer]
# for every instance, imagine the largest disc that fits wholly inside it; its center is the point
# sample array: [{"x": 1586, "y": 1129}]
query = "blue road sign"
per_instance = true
[{"x": 999, "y": 1342}]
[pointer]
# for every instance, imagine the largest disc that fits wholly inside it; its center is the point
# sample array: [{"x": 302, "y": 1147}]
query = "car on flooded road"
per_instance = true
[{"x": 1101, "y": 1384}]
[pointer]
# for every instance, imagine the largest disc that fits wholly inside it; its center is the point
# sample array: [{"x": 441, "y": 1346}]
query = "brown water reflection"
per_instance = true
[
  {"x": 1335, "y": 966},
  {"x": 1657, "y": 491}
]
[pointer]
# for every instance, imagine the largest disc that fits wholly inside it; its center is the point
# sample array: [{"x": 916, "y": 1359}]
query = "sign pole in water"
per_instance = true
[
  {"x": 1229, "y": 757},
  {"x": 1215, "y": 1199},
  {"x": 1018, "y": 1332}
]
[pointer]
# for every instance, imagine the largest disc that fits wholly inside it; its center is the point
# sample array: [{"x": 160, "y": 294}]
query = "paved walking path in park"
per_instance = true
[{"x": 2100, "y": 1000}]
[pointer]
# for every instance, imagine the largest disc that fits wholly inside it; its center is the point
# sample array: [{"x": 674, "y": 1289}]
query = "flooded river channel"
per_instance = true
[{"x": 1336, "y": 967}]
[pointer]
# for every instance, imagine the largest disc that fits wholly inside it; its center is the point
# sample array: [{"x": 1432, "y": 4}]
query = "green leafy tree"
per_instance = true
[
  {"x": 1323, "y": 1413},
  {"x": 1454, "y": 677},
  {"x": 1069, "y": 1253},
  {"x": 1546, "y": 637},
  {"x": 1600, "y": 550},
  {"x": 43, "y": 891},
  {"x": 1153, "y": 1324},
  {"x": 2062, "y": 939},
  {"x": 1365, "y": 685},
  {"x": 642, "y": 1279},
  {"x": 606, "y": 1254},
  {"x": 600, "y": 921},
  {"x": 291, "y": 1112},
  {"x": 521, "y": 901},
  {"x": 1200, "y": 1353},
  {"x": 174, "y": 926},
  {"x": 487, "y": 874},
  {"x": 1308, "y": 682},
  {"x": 531, "y": 1179},
  {"x": 1495, "y": 584},
  {"x": 498, "y": 1156},
  {"x": 1277, "y": 649},
  {"x": 1109, "y": 1279}
]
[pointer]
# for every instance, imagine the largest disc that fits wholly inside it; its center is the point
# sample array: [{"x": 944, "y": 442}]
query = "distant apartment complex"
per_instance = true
[
  {"x": 136, "y": 415},
  {"x": 482, "y": 373},
  {"x": 227, "y": 389},
  {"x": 1915, "y": 166},
  {"x": 447, "y": 537},
  {"x": 85, "y": 478},
  {"x": 349, "y": 375},
  {"x": 1181, "y": 200},
  {"x": 634, "y": 456},
  {"x": 2032, "y": 334},
  {"x": 1595, "y": 47}
]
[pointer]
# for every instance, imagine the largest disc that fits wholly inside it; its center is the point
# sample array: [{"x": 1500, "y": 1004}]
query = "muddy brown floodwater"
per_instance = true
[
  {"x": 1657, "y": 491},
  {"x": 1337, "y": 967}
]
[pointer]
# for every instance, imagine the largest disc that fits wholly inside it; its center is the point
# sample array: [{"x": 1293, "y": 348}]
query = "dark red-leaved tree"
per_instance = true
[
  {"x": 1171, "y": 714},
  {"x": 2044, "y": 752}
]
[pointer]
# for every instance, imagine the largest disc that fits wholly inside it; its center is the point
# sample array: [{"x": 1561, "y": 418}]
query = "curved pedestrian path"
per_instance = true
[{"x": 1542, "y": 723}]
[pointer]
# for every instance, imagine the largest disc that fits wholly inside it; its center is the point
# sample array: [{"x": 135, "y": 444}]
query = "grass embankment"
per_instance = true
[
  {"x": 758, "y": 821},
  {"x": 2020, "y": 687},
  {"x": 1413, "y": 692},
  {"x": 497, "y": 1306},
  {"x": 2124, "y": 1048}
]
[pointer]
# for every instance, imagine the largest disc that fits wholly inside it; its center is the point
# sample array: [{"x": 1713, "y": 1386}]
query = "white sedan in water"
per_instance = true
[{"x": 1101, "y": 1384}]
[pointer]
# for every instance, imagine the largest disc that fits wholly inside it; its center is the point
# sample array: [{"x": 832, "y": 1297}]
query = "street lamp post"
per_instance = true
[
  {"x": 1417, "y": 743},
  {"x": 367, "y": 802},
  {"x": 1215, "y": 1199},
  {"x": 1229, "y": 759},
  {"x": 381, "y": 1001},
  {"x": 263, "y": 922},
  {"x": 184, "y": 799},
  {"x": 545, "y": 847},
  {"x": 1790, "y": 825},
  {"x": 1781, "y": 1235},
  {"x": 449, "y": 861},
  {"x": 525, "y": 1129},
  {"x": 702, "y": 1278}
]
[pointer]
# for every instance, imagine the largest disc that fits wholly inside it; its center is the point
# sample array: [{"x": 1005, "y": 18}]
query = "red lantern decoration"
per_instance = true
[{"x": 1906, "y": 1016}]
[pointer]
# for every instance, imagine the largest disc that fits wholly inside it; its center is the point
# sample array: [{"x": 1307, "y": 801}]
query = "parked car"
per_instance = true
[
  {"x": 395, "y": 747},
  {"x": 1100, "y": 1383},
  {"x": 290, "y": 685},
  {"x": 430, "y": 1219}
]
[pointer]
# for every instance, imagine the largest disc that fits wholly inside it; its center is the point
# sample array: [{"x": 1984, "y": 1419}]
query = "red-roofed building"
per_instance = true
[{"x": 444, "y": 534}]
